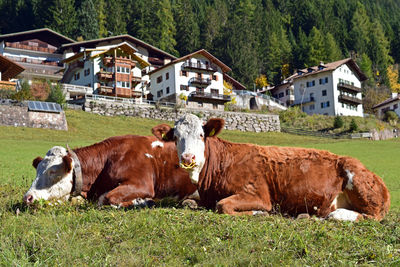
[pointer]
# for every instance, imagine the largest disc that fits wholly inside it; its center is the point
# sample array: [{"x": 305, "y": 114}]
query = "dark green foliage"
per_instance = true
[
  {"x": 6, "y": 94},
  {"x": 353, "y": 126},
  {"x": 391, "y": 116},
  {"x": 87, "y": 20},
  {"x": 25, "y": 93},
  {"x": 56, "y": 95},
  {"x": 338, "y": 122}
]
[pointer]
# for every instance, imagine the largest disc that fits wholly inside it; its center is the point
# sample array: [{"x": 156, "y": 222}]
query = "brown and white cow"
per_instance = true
[
  {"x": 122, "y": 171},
  {"x": 246, "y": 178}
]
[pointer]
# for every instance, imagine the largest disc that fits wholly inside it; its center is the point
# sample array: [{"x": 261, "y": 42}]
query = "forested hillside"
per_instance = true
[{"x": 253, "y": 37}]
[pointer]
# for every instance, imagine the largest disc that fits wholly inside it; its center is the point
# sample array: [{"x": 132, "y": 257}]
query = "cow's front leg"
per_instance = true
[
  {"x": 243, "y": 204},
  {"x": 128, "y": 196}
]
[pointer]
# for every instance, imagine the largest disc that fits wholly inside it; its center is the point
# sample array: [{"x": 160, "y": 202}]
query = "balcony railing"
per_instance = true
[
  {"x": 200, "y": 81},
  {"x": 304, "y": 101},
  {"x": 7, "y": 85},
  {"x": 350, "y": 99},
  {"x": 199, "y": 66},
  {"x": 225, "y": 98},
  {"x": 108, "y": 61},
  {"x": 76, "y": 89},
  {"x": 136, "y": 80},
  {"x": 31, "y": 47},
  {"x": 105, "y": 75},
  {"x": 105, "y": 90},
  {"x": 349, "y": 87}
]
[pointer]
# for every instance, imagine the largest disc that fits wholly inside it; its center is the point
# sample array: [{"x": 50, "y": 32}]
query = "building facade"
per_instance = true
[
  {"x": 390, "y": 104},
  {"x": 8, "y": 71},
  {"x": 284, "y": 92},
  {"x": 37, "y": 51},
  {"x": 329, "y": 89},
  {"x": 114, "y": 66},
  {"x": 196, "y": 79}
]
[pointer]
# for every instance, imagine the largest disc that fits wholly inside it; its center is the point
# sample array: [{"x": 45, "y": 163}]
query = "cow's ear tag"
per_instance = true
[
  {"x": 163, "y": 136},
  {"x": 212, "y": 132}
]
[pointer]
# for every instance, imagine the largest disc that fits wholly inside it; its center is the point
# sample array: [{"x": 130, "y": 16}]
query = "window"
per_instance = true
[
  {"x": 325, "y": 104},
  {"x": 184, "y": 73},
  {"x": 167, "y": 76},
  {"x": 311, "y": 96},
  {"x": 312, "y": 107},
  {"x": 200, "y": 91},
  {"x": 76, "y": 76},
  {"x": 200, "y": 104},
  {"x": 123, "y": 84},
  {"x": 159, "y": 79},
  {"x": 287, "y": 92},
  {"x": 323, "y": 92},
  {"x": 215, "y": 106},
  {"x": 311, "y": 84},
  {"x": 184, "y": 87},
  {"x": 87, "y": 72},
  {"x": 160, "y": 93},
  {"x": 118, "y": 69},
  {"x": 167, "y": 90},
  {"x": 323, "y": 80},
  {"x": 281, "y": 94},
  {"x": 214, "y": 92},
  {"x": 215, "y": 78}
]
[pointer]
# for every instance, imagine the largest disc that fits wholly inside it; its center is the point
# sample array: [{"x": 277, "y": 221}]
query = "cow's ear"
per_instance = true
[
  {"x": 36, "y": 162},
  {"x": 67, "y": 162},
  {"x": 213, "y": 127},
  {"x": 163, "y": 132}
]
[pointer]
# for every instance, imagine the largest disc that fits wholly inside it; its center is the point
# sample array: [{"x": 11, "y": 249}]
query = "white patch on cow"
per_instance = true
[
  {"x": 189, "y": 135},
  {"x": 52, "y": 182},
  {"x": 148, "y": 155},
  {"x": 157, "y": 144},
  {"x": 334, "y": 203},
  {"x": 195, "y": 195},
  {"x": 165, "y": 162},
  {"x": 259, "y": 212},
  {"x": 344, "y": 215},
  {"x": 139, "y": 203},
  {"x": 349, "y": 184}
]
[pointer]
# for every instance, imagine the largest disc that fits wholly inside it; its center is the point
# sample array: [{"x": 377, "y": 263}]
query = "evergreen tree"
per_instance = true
[
  {"x": 332, "y": 50},
  {"x": 101, "y": 18},
  {"x": 187, "y": 28},
  {"x": 115, "y": 23},
  {"x": 88, "y": 26},
  {"x": 56, "y": 95},
  {"x": 365, "y": 64},
  {"x": 361, "y": 27},
  {"x": 317, "y": 48},
  {"x": 62, "y": 17},
  {"x": 166, "y": 27},
  {"x": 215, "y": 21}
]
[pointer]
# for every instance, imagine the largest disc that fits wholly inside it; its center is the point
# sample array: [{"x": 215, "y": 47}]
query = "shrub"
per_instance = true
[
  {"x": 353, "y": 126},
  {"x": 56, "y": 95},
  {"x": 391, "y": 116},
  {"x": 25, "y": 93},
  {"x": 338, "y": 122},
  {"x": 291, "y": 114}
]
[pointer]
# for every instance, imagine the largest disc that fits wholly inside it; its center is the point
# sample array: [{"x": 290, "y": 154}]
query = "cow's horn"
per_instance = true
[{"x": 77, "y": 173}]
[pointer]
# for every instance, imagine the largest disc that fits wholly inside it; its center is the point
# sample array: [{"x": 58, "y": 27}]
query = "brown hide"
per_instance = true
[
  {"x": 119, "y": 167},
  {"x": 246, "y": 177}
]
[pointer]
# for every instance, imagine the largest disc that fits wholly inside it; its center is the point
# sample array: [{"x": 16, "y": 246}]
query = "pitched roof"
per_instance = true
[
  {"x": 387, "y": 101},
  {"x": 9, "y": 69},
  {"x": 203, "y": 52},
  {"x": 234, "y": 82},
  {"x": 94, "y": 42},
  {"x": 45, "y": 34},
  {"x": 330, "y": 67}
]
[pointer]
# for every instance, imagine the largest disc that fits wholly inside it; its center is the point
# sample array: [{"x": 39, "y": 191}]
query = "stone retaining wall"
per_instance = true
[
  {"x": 17, "y": 115},
  {"x": 233, "y": 120}
]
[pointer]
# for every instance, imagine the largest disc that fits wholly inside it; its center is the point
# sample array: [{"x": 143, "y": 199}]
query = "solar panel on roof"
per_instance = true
[{"x": 44, "y": 106}]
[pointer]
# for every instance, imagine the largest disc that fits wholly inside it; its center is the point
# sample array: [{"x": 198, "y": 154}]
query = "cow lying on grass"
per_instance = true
[
  {"x": 246, "y": 178},
  {"x": 122, "y": 171}
]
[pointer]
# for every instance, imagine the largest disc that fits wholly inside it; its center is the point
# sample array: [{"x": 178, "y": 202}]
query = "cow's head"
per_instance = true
[
  {"x": 190, "y": 135},
  {"x": 54, "y": 176}
]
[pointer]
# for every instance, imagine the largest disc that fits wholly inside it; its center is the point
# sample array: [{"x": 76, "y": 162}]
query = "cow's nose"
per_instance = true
[
  {"x": 188, "y": 158},
  {"x": 28, "y": 199}
]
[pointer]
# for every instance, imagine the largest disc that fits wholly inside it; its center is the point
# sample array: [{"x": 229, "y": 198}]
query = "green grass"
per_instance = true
[{"x": 173, "y": 236}]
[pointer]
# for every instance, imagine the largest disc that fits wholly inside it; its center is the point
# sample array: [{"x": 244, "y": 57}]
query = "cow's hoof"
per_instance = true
[
  {"x": 190, "y": 203},
  {"x": 303, "y": 216}
]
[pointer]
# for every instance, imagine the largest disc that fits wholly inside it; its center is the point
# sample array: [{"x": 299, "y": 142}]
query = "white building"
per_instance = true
[
  {"x": 284, "y": 92},
  {"x": 196, "y": 78},
  {"x": 330, "y": 89},
  {"x": 115, "y": 66},
  {"x": 390, "y": 104}
]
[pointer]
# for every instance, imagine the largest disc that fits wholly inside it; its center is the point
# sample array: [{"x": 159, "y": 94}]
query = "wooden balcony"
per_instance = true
[
  {"x": 200, "y": 82},
  {"x": 350, "y": 99},
  {"x": 210, "y": 97},
  {"x": 6, "y": 85},
  {"x": 107, "y": 61},
  {"x": 105, "y": 75},
  {"x": 105, "y": 90},
  {"x": 31, "y": 47},
  {"x": 348, "y": 88},
  {"x": 199, "y": 66}
]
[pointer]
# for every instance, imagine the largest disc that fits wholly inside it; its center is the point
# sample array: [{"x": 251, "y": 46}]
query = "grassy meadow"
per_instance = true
[{"x": 171, "y": 235}]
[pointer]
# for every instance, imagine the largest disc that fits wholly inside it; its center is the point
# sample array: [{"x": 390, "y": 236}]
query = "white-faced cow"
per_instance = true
[
  {"x": 245, "y": 178},
  {"x": 122, "y": 171}
]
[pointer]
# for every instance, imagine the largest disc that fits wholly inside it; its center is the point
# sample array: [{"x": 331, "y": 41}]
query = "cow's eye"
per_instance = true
[{"x": 201, "y": 135}]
